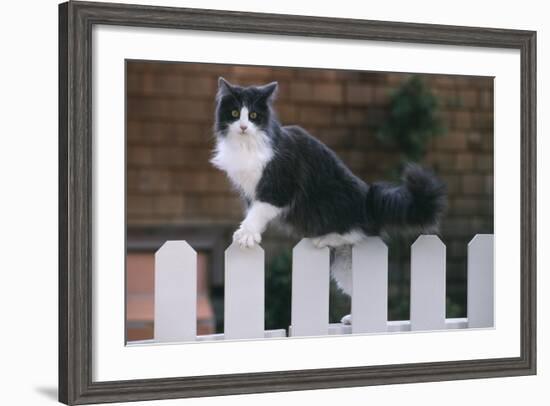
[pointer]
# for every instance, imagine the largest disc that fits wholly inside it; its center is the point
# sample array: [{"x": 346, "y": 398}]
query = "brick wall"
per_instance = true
[{"x": 170, "y": 111}]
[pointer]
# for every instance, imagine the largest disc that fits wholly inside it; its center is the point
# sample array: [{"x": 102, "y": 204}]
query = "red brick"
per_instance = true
[
  {"x": 148, "y": 181},
  {"x": 349, "y": 116},
  {"x": 213, "y": 207},
  {"x": 255, "y": 71},
  {"x": 283, "y": 92},
  {"x": 282, "y": 73},
  {"x": 487, "y": 206},
  {"x": 200, "y": 182},
  {"x": 474, "y": 139},
  {"x": 169, "y": 205},
  {"x": 489, "y": 184},
  {"x": 335, "y": 137},
  {"x": 192, "y": 111},
  {"x": 464, "y": 162},
  {"x": 464, "y": 206},
  {"x": 396, "y": 79},
  {"x": 473, "y": 184},
  {"x": 201, "y": 87},
  {"x": 162, "y": 132},
  {"x": 447, "y": 98},
  {"x": 139, "y": 205},
  {"x": 444, "y": 80},
  {"x": 314, "y": 115},
  {"x": 179, "y": 156},
  {"x": 455, "y": 141},
  {"x": 484, "y": 162},
  {"x": 287, "y": 114},
  {"x": 469, "y": 98},
  {"x": 485, "y": 82},
  {"x": 141, "y": 108},
  {"x": 455, "y": 226},
  {"x": 453, "y": 183},
  {"x": 134, "y": 83},
  {"x": 301, "y": 91},
  {"x": 328, "y": 93},
  {"x": 486, "y": 99},
  {"x": 191, "y": 135},
  {"x": 487, "y": 141},
  {"x": 145, "y": 132},
  {"x": 137, "y": 66},
  {"x": 462, "y": 120},
  {"x": 443, "y": 160},
  {"x": 381, "y": 95},
  {"x": 317, "y": 74},
  {"x": 483, "y": 120},
  {"x": 139, "y": 156},
  {"x": 166, "y": 84},
  {"x": 359, "y": 94},
  {"x": 363, "y": 138}
]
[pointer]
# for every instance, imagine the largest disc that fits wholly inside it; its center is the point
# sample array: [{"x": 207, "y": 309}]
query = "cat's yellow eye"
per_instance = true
[
  {"x": 253, "y": 115},
  {"x": 235, "y": 113}
]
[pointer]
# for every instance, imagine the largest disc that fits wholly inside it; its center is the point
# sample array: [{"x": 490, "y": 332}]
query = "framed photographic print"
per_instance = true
[{"x": 259, "y": 202}]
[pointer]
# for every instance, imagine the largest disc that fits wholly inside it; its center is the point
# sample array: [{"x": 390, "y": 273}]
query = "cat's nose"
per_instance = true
[{"x": 243, "y": 127}]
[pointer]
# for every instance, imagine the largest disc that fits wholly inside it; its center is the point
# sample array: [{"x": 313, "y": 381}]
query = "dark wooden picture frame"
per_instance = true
[{"x": 76, "y": 20}]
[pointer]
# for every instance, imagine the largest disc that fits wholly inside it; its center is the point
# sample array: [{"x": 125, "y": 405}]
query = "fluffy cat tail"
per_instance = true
[{"x": 414, "y": 206}]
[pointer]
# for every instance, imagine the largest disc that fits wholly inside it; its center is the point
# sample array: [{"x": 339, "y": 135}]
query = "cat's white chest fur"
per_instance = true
[{"x": 243, "y": 158}]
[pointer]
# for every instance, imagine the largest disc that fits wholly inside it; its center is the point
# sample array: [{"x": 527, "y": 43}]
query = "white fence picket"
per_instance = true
[
  {"x": 369, "y": 301},
  {"x": 480, "y": 281},
  {"x": 310, "y": 289},
  {"x": 428, "y": 283},
  {"x": 175, "y": 292},
  {"x": 244, "y": 292}
]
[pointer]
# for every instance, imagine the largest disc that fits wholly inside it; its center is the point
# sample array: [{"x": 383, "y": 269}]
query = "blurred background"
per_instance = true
[{"x": 374, "y": 121}]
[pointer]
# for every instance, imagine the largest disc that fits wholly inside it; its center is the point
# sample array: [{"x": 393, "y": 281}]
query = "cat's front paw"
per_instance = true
[
  {"x": 246, "y": 238},
  {"x": 346, "y": 319}
]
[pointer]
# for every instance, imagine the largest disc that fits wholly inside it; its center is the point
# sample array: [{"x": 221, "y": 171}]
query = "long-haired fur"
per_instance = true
[{"x": 301, "y": 183}]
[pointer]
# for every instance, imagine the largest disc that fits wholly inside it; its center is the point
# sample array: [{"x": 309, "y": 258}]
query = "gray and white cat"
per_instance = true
[{"x": 285, "y": 174}]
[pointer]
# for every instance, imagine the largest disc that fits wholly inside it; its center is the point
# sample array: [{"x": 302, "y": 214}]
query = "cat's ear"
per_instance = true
[
  {"x": 269, "y": 91},
  {"x": 224, "y": 87}
]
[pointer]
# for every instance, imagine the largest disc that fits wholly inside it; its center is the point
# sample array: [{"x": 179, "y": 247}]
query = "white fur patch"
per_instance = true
[
  {"x": 243, "y": 155},
  {"x": 340, "y": 268},
  {"x": 255, "y": 223},
  {"x": 337, "y": 240}
]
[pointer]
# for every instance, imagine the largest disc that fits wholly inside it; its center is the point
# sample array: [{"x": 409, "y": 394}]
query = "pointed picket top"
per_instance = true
[
  {"x": 238, "y": 250},
  {"x": 480, "y": 281},
  {"x": 482, "y": 239},
  {"x": 244, "y": 292},
  {"x": 428, "y": 283},
  {"x": 375, "y": 243},
  {"x": 176, "y": 248},
  {"x": 427, "y": 240},
  {"x": 310, "y": 289},
  {"x": 369, "y": 301},
  {"x": 175, "y": 292}
]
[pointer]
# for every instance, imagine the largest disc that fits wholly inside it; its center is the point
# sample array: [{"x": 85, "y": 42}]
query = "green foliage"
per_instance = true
[
  {"x": 277, "y": 292},
  {"x": 454, "y": 309},
  {"x": 413, "y": 120}
]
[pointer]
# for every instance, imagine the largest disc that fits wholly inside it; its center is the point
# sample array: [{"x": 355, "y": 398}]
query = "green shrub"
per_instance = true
[{"x": 413, "y": 120}]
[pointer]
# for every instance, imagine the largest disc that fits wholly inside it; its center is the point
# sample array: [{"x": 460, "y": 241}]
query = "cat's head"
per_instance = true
[{"x": 243, "y": 111}]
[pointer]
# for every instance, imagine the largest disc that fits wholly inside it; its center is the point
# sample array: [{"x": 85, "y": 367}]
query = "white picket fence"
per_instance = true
[{"x": 176, "y": 290}]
